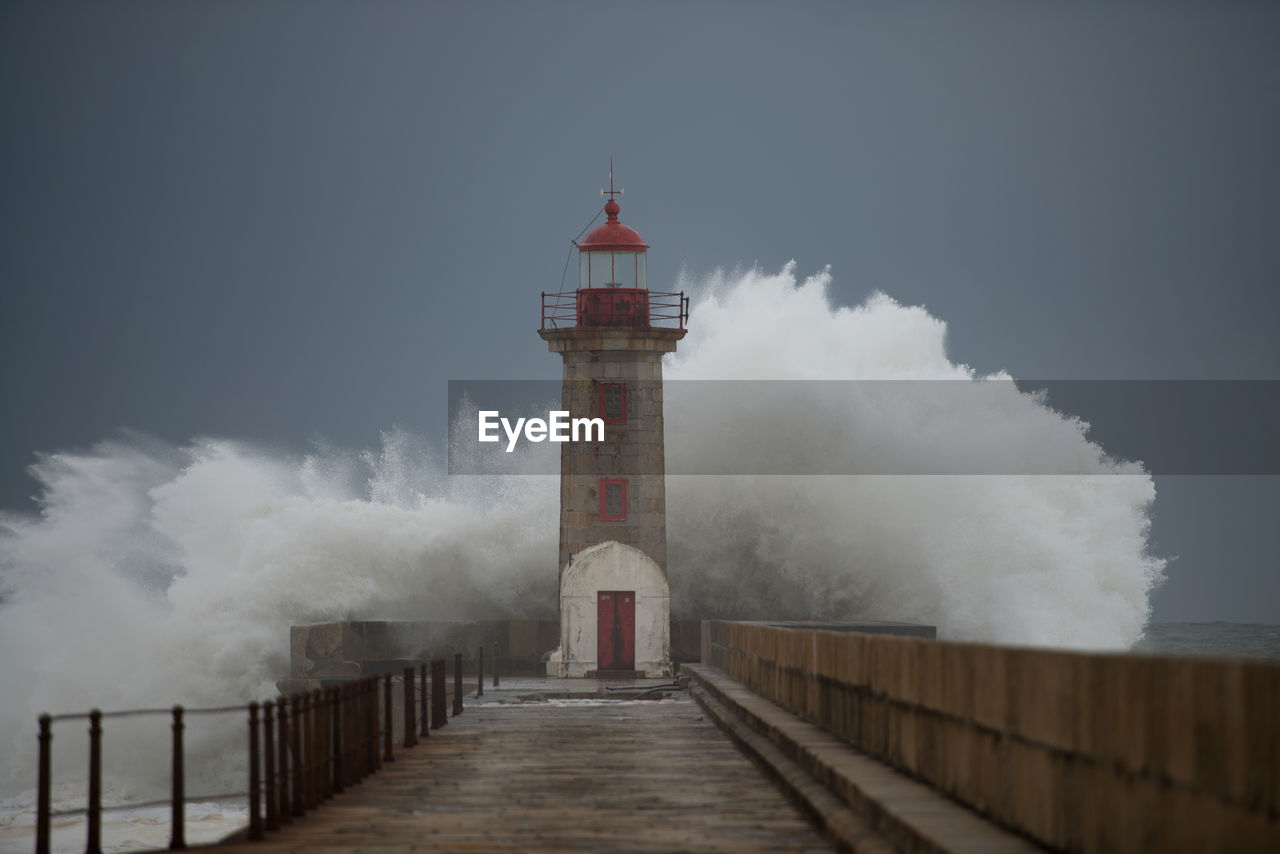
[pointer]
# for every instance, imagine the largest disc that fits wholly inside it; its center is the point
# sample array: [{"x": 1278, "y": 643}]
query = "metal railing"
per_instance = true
[
  {"x": 94, "y": 808},
  {"x": 564, "y": 310},
  {"x": 303, "y": 749}
]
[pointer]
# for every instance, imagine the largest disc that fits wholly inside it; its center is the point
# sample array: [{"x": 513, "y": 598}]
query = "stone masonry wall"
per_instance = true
[
  {"x": 347, "y": 649},
  {"x": 1081, "y": 752},
  {"x": 633, "y": 450}
]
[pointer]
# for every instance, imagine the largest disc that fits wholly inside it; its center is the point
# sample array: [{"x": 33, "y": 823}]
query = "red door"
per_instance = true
[{"x": 616, "y": 629}]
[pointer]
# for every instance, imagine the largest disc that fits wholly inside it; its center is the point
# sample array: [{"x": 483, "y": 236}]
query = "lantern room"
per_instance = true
[
  {"x": 612, "y": 255},
  {"x": 613, "y": 282}
]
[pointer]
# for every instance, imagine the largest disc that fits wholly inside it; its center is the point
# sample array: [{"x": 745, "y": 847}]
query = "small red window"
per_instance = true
[
  {"x": 613, "y": 499},
  {"x": 613, "y": 403}
]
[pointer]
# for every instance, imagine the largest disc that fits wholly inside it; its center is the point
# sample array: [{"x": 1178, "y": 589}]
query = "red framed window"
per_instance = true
[
  {"x": 613, "y": 403},
  {"x": 613, "y": 499}
]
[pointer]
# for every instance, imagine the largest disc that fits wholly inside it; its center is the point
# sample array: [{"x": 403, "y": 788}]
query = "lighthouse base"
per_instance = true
[{"x": 615, "y": 615}]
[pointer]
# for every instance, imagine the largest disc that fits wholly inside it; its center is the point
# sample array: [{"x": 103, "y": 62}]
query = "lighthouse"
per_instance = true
[{"x": 612, "y": 332}]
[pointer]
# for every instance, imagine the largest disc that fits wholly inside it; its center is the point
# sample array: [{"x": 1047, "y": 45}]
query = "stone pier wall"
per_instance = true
[
  {"x": 1080, "y": 752},
  {"x": 344, "y": 650},
  {"x": 347, "y": 649}
]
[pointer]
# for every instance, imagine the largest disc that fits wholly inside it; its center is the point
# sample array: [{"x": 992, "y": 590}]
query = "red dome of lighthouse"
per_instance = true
[{"x": 613, "y": 234}]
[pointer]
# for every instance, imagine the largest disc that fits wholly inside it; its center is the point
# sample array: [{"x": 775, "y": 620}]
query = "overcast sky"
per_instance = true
[{"x": 277, "y": 221}]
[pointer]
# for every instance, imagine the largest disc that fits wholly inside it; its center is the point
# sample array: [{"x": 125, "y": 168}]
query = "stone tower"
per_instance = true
[{"x": 612, "y": 333}]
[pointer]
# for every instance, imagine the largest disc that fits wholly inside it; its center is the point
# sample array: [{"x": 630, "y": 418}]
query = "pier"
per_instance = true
[{"x": 559, "y": 774}]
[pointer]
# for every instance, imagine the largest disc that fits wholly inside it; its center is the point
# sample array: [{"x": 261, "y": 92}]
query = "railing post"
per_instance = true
[
  {"x": 386, "y": 715},
  {"x": 255, "y": 817},
  {"x": 295, "y": 741},
  {"x": 425, "y": 729},
  {"x": 495, "y": 664},
  {"x": 360, "y": 698},
  {"x": 410, "y": 722},
  {"x": 438, "y": 717},
  {"x": 305, "y": 759},
  {"x": 317, "y": 744},
  {"x": 457, "y": 684},
  {"x": 282, "y": 749},
  {"x": 269, "y": 757},
  {"x": 313, "y": 748},
  {"x": 303, "y": 701},
  {"x": 317, "y": 748},
  {"x": 351, "y": 734},
  {"x": 325, "y": 766},
  {"x": 339, "y": 714},
  {"x": 480, "y": 673},
  {"x": 178, "y": 830},
  {"x": 359, "y": 744},
  {"x": 347, "y": 721},
  {"x": 358, "y": 748},
  {"x": 334, "y": 744},
  {"x": 315, "y": 763},
  {"x": 375, "y": 726},
  {"x": 43, "y": 787},
  {"x": 371, "y": 756},
  {"x": 93, "y": 841},
  {"x": 313, "y": 776}
]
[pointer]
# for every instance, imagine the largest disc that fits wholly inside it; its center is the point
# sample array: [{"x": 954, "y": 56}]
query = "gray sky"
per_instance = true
[{"x": 278, "y": 221}]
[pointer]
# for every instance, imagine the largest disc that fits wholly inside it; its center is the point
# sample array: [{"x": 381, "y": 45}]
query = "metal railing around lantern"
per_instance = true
[
  {"x": 651, "y": 309},
  {"x": 303, "y": 749}
]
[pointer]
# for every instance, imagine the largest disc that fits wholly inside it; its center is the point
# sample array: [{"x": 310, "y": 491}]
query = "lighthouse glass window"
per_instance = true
[
  {"x": 613, "y": 499},
  {"x": 611, "y": 270}
]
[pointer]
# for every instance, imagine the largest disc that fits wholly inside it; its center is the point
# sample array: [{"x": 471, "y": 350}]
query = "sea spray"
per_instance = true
[
  {"x": 156, "y": 574},
  {"x": 1012, "y": 556},
  {"x": 158, "y": 578}
]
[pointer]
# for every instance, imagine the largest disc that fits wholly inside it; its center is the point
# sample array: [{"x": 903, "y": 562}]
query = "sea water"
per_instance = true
[{"x": 1251, "y": 640}]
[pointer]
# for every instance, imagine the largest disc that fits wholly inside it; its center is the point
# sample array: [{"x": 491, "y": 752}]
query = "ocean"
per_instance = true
[{"x": 1252, "y": 640}]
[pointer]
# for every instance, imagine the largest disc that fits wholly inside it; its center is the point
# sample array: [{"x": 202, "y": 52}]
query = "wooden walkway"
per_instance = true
[{"x": 558, "y": 776}]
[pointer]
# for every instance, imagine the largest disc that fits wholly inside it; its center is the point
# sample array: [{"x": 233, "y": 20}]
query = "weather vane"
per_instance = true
[{"x": 611, "y": 192}]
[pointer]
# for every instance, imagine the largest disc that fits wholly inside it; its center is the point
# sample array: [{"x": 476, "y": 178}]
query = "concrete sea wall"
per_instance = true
[{"x": 1080, "y": 752}]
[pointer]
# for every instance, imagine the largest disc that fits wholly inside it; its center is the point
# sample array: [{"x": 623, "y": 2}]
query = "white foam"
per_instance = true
[{"x": 1029, "y": 559}]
